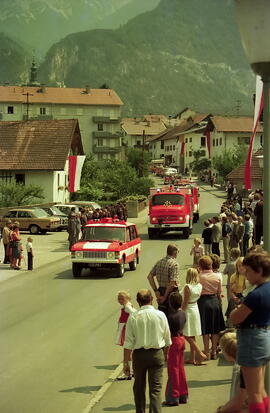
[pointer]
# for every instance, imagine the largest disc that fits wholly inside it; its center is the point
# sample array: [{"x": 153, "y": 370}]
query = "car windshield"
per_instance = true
[
  {"x": 104, "y": 234},
  {"x": 40, "y": 213},
  {"x": 56, "y": 211},
  {"x": 168, "y": 199}
]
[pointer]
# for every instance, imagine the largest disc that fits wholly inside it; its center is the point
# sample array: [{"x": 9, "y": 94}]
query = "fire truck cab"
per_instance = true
[{"x": 170, "y": 209}]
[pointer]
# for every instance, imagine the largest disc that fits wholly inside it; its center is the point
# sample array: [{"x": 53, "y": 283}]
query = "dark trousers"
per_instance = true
[
  {"x": 258, "y": 234},
  {"x": 148, "y": 361},
  {"x": 246, "y": 238},
  {"x": 30, "y": 260},
  {"x": 6, "y": 259},
  {"x": 215, "y": 248}
]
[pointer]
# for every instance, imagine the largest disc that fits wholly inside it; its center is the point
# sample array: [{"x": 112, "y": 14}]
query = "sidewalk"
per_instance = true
[
  {"x": 47, "y": 249},
  {"x": 208, "y": 385}
]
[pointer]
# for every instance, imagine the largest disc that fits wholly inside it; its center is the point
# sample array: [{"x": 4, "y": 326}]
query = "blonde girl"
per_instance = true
[
  {"x": 238, "y": 394},
  {"x": 196, "y": 251},
  {"x": 237, "y": 285},
  {"x": 191, "y": 293},
  {"x": 124, "y": 299}
]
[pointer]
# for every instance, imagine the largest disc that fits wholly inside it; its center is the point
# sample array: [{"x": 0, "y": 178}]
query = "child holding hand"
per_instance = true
[{"x": 124, "y": 299}]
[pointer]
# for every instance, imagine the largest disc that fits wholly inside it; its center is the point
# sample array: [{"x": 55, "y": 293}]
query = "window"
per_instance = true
[
  {"x": 173, "y": 199},
  {"x": 100, "y": 142},
  {"x": 133, "y": 233},
  {"x": 127, "y": 235},
  {"x": 243, "y": 140},
  {"x": 170, "y": 147},
  {"x": 203, "y": 141},
  {"x": 161, "y": 144},
  {"x": 138, "y": 143},
  {"x": 190, "y": 140},
  {"x": 190, "y": 154},
  {"x": 11, "y": 214},
  {"x": 10, "y": 109},
  {"x": 220, "y": 141},
  {"x": 24, "y": 214},
  {"x": 214, "y": 142},
  {"x": 100, "y": 126},
  {"x": 186, "y": 140},
  {"x": 5, "y": 177},
  {"x": 20, "y": 178},
  {"x": 173, "y": 147},
  {"x": 42, "y": 111}
]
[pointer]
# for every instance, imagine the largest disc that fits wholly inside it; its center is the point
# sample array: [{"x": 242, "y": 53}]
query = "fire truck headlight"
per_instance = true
[
  {"x": 78, "y": 254},
  {"x": 110, "y": 255}
]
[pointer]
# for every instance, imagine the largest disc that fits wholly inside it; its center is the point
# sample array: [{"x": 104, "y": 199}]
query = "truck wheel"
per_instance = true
[
  {"x": 34, "y": 229},
  {"x": 133, "y": 264},
  {"x": 120, "y": 270},
  {"x": 76, "y": 269},
  {"x": 186, "y": 233},
  {"x": 151, "y": 233}
]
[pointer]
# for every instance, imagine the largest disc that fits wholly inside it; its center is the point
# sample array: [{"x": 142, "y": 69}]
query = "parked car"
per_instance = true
[
  {"x": 53, "y": 211},
  {"x": 107, "y": 243},
  {"x": 34, "y": 220},
  {"x": 66, "y": 208},
  {"x": 89, "y": 204}
]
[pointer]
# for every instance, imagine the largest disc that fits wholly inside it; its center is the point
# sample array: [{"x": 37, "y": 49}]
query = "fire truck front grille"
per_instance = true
[{"x": 94, "y": 254}]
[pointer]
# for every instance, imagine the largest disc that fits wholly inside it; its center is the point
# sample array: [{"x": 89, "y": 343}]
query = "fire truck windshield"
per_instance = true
[
  {"x": 169, "y": 199},
  {"x": 104, "y": 234}
]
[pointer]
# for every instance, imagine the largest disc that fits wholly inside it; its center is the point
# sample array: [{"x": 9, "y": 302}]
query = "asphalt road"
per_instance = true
[{"x": 57, "y": 333}]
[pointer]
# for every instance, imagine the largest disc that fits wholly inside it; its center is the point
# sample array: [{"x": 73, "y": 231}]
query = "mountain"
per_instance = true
[
  {"x": 41, "y": 23},
  {"x": 182, "y": 53},
  {"x": 15, "y": 61}
]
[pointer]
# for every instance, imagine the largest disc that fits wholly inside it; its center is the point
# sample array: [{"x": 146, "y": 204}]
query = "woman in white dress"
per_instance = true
[{"x": 191, "y": 293}]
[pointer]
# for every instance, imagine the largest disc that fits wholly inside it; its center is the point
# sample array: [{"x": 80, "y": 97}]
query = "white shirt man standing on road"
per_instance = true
[{"x": 148, "y": 338}]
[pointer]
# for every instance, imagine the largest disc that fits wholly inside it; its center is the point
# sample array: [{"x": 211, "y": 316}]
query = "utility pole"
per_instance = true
[{"x": 27, "y": 103}]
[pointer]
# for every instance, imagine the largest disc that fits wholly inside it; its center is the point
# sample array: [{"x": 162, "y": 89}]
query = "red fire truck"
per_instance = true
[{"x": 170, "y": 209}]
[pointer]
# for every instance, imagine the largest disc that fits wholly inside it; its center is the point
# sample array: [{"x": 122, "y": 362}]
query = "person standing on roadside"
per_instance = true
[
  {"x": 163, "y": 278},
  {"x": 226, "y": 230},
  {"x": 6, "y": 232},
  {"x": 148, "y": 338},
  {"x": 216, "y": 235}
]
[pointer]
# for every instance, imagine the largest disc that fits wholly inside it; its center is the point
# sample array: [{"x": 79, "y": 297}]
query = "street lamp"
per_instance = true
[{"x": 253, "y": 19}]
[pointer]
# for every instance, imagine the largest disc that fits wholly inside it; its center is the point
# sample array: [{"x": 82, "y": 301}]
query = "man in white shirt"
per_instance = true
[{"x": 148, "y": 338}]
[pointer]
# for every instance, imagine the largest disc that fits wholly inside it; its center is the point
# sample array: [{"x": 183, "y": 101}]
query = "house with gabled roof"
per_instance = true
[
  {"x": 237, "y": 175},
  {"x": 97, "y": 110},
  {"x": 176, "y": 145},
  {"x": 137, "y": 131},
  {"x": 37, "y": 152}
]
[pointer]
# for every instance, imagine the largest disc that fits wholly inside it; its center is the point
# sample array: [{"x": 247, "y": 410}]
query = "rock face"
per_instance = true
[
  {"x": 40, "y": 23},
  {"x": 15, "y": 61},
  {"x": 182, "y": 53}
]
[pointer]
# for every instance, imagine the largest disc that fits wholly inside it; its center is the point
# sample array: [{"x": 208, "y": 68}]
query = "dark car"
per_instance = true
[{"x": 53, "y": 211}]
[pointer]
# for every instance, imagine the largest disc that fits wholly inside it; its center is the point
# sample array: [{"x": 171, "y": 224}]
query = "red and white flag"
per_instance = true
[
  {"x": 257, "y": 115},
  {"x": 75, "y": 171}
]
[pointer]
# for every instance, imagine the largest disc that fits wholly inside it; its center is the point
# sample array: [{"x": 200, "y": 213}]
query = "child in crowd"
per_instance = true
[
  {"x": 30, "y": 255},
  {"x": 236, "y": 287},
  {"x": 124, "y": 299},
  {"x": 207, "y": 237},
  {"x": 238, "y": 394},
  {"x": 229, "y": 269},
  {"x": 196, "y": 251},
  {"x": 176, "y": 389}
]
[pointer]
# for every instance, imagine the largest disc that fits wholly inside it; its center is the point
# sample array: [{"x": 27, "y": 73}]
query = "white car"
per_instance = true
[{"x": 170, "y": 171}]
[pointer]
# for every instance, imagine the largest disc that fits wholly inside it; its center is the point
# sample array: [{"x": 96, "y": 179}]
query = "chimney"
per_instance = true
[
  {"x": 87, "y": 90},
  {"x": 42, "y": 88}
]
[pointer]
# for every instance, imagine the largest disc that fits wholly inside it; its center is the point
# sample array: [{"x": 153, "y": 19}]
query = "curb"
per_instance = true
[{"x": 98, "y": 396}]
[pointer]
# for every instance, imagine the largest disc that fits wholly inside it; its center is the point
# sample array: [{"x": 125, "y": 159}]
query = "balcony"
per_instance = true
[
  {"x": 106, "y": 149},
  {"x": 105, "y": 119},
  {"x": 105, "y": 134},
  {"x": 38, "y": 117}
]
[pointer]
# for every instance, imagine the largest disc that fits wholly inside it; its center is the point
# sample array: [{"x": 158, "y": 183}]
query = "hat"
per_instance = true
[{"x": 9, "y": 221}]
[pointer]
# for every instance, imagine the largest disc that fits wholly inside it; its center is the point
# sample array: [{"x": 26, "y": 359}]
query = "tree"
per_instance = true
[
  {"x": 230, "y": 159},
  {"x": 18, "y": 194},
  {"x": 139, "y": 160},
  {"x": 199, "y": 164}
]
